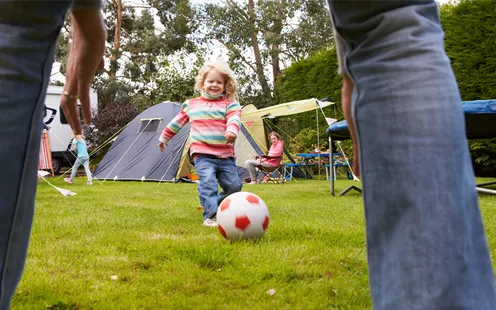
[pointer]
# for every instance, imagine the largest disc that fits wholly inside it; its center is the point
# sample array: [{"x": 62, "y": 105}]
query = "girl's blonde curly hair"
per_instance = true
[{"x": 230, "y": 83}]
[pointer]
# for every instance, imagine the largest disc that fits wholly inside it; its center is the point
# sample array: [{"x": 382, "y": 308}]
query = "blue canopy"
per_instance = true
[{"x": 480, "y": 121}]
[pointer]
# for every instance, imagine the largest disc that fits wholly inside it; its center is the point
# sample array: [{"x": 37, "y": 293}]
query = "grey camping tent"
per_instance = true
[{"x": 134, "y": 154}]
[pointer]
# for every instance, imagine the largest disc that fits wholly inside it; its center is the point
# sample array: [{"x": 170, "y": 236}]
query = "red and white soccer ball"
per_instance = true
[{"x": 242, "y": 215}]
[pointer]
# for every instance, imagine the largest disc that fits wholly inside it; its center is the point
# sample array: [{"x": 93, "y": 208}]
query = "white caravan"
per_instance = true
[{"x": 59, "y": 131}]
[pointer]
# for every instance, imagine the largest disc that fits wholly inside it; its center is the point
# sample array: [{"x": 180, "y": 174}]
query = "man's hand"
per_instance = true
[
  {"x": 346, "y": 92},
  {"x": 230, "y": 137},
  {"x": 85, "y": 57},
  {"x": 161, "y": 146}
]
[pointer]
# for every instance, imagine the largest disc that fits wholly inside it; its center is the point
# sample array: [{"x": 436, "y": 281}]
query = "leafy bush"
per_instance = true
[
  {"x": 314, "y": 77},
  {"x": 474, "y": 62},
  {"x": 106, "y": 123},
  {"x": 303, "y": 142},
  {"x": 484, "y": 155},
  {"x": 471, "y": 54}
]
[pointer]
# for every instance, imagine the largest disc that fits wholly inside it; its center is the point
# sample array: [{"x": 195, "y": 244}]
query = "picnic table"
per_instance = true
[{"x": 306, "y": 160}]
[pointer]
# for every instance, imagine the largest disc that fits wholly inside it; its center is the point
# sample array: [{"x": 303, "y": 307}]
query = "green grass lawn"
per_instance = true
[{"x": 132, "y": 245}]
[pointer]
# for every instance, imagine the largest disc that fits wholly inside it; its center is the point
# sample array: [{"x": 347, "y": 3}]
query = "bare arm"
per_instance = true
[
  {"x": 85, "y": 57},
  {"x": 346, "y": 92}
]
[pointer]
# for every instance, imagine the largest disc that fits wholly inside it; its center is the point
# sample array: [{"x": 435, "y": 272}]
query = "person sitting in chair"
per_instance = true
[{"x": 272, "y": 159}]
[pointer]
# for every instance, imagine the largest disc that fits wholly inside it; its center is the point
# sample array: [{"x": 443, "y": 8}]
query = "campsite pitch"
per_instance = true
[{"x": 133, "y": 245}]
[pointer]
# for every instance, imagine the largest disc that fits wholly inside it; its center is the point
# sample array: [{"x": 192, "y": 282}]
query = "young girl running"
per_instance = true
[{"x": 215, "y": 118}]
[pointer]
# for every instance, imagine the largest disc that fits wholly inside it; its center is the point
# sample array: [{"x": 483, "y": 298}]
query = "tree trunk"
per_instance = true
[
  {"x": 117, "y": 40},
  {"x": 256, "y": 52},
  {"x": 276, "y": 68},
  {"x": 115, "y": 54}
]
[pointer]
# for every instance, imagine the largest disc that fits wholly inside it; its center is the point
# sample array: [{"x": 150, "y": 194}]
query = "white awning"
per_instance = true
[{"x": 284, "y": 109}]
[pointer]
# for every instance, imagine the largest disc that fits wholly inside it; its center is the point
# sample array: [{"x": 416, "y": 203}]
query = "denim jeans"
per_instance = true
[
  {"x": 426, "y": 242},
  {"x": 85, "y": 161},
  {"x": 28, "y": 33},
  {"x": 210, "y": 170}
]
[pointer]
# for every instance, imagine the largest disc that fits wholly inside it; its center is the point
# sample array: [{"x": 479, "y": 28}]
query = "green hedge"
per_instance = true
[
  {"x": 314, "y": 77},
  {"x": 470, "y": 38}
]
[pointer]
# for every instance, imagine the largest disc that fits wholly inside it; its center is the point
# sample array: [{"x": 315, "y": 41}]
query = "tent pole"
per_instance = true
[
  {"x": 318, "y": 141},
  {"x": 331, "y": 163}
]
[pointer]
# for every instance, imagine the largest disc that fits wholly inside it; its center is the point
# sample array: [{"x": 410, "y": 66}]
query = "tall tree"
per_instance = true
[
  {"x": 138, "y": 46},
  {"x": 137, "y": 43},
  {"x": 470, "y": 29},
  {"x": 263, "y": 36},
  {"x": 116, "y": 48}
]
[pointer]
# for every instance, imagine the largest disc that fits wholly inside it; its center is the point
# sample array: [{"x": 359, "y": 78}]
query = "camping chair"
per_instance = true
[{"x": 271, "y": 174}]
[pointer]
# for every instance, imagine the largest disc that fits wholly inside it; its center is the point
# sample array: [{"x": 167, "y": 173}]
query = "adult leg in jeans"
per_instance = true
[
  {"x": 426, "y": 243},
  {"x": 28, "y": 33}
]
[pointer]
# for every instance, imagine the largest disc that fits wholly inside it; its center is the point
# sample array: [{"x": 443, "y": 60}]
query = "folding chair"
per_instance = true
[{"x": 272, "y": 173}]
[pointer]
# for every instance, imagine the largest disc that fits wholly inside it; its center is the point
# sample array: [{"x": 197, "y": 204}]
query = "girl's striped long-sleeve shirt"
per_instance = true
[{"x": 210, "y": 120}]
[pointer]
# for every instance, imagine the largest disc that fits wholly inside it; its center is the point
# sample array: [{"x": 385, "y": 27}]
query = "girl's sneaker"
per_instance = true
[
  {"x": 210, "y": 222},
  {"x": 89, "y": 183},
  {"x": 68, "y": 180}
]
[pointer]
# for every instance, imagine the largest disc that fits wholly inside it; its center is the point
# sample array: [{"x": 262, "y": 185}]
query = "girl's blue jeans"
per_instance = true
[{"x": 213, "y": 172}]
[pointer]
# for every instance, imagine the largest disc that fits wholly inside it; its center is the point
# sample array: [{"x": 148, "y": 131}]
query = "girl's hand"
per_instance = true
[
  {"x": 230, "y": 137},
  {"x": 161, "y": 146}
]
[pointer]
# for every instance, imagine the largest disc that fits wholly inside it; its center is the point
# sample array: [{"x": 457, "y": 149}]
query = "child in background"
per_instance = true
[
  {"x": 215, "y": 119},
  {"x": 82, "y": 159}
]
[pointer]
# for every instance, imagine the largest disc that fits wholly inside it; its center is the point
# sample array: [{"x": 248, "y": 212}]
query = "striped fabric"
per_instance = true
[
  {"x": 210, "y": 120},
  {"x": 45, "y": 158}
]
